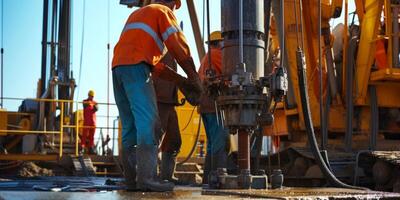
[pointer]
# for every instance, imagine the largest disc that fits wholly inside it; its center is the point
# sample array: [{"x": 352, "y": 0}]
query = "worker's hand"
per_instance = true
[{"x": 192, "y": 90}]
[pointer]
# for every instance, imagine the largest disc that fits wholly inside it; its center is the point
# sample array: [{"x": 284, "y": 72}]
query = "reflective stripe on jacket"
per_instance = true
[{"x": 146, "y": 33}]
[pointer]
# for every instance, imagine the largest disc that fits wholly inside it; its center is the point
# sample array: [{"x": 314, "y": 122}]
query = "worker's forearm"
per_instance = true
[
  {"x": 189, "y": 68},
  {"x": 169, "y": 74}
]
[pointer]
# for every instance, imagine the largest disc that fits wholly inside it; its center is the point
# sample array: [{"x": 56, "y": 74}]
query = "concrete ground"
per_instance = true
[
  {"x": 92, "y": 188},
  {"x": 198, "y": 193}
]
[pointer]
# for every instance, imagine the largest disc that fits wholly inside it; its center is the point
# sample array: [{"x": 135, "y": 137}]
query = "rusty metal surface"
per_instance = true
[{"x": 307, "y": 193}]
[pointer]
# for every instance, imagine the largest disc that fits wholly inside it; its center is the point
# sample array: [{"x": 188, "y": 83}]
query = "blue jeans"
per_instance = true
[
  {"x": 136, "y": 101},
  {"x": 216, "y": 134}
]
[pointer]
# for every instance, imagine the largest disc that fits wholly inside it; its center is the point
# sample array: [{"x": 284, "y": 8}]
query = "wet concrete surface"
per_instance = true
[
  {"x": 198, "y": 193},
  {"x": 308, "y": 193},
  {"x": 179, "y": 193},
  {"x": 66, "y": 188}
]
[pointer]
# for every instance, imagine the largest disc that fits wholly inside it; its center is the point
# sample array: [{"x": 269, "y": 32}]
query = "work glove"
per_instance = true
[{"x": 191, "y": 89}]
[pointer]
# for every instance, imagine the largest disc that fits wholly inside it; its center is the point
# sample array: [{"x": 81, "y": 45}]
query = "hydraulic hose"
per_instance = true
[
  {"x": 351, "y": 51},
  {"x": 194, "y": 145},
  {"x": 310, "y": 128}
]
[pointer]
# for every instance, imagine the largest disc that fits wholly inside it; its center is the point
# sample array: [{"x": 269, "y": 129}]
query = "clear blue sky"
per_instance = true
[{"x": 22, "y": 44}]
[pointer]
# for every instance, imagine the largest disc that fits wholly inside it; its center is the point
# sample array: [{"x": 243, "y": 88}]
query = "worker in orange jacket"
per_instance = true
[
  {"x": 216, "y": 156},
  {"x": 89, "y": 122},
  {"x": 141, "y": 45},
  {"x": 168, "y": 133}
]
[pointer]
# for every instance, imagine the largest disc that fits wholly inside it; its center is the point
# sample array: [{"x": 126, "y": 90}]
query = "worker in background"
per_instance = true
[
  {"x": 168, "y": 133},
  {"x": 89, "y": 122},
  {"x": 141, "y": 46},
  {"x": 216, "y": 156}
]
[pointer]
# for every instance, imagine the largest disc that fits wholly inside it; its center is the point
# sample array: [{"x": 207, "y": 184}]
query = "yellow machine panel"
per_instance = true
[
  {"x": 3, "y": 120},
  {"x": 189, "y": 119}
]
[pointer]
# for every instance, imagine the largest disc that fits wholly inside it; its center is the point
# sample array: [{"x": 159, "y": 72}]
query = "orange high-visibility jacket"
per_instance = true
[
  {"x": 216, "y": 63},
  {"x": 207, "y": 104},
  {"x": 146, "y": 33},
  {"x": 89, "y": 112}
]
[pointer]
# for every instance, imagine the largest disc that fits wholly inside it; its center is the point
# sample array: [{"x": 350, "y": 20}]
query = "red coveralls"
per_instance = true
[{"x": 89, "y": 119}]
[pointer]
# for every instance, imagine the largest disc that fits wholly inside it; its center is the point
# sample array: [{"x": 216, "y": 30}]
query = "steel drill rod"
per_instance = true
[{"x": 244, "y": 150}]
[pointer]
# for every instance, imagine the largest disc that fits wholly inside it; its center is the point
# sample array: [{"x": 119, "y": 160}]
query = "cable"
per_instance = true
[
  {"x": 2, "y": 53},
  {"x": 310, "y": 127},
  {"x": 301, "y": 24},
  {"x": 297, "y": 24},
  {"x": 82, "y": 43},
  {"x": 321, "y": 97},
  {"x": 204, "y": 15},
  {"x": 108, "y": 65},
  {"x": 190, "y": 120},
  {"x": 194, "y": 145},
  {"x": 241, "y": 32}
]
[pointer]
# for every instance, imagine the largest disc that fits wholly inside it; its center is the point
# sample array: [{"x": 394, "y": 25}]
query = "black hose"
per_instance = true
[
  {"x": 194, "y": 144},
  {"x": 310, "y": 128},
  {"x": 349, "y": 93},
  {"x": 374, "y": 117}
]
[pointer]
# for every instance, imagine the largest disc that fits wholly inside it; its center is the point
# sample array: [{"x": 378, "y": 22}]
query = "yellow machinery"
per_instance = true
[
  {"x": 189, "y": 120},
  {"x": 384, "y": 81},
  {"x": 360, "y": 87}
]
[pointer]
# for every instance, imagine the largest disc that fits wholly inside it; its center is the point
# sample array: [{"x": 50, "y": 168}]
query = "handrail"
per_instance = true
[
  {"x": 63, "y": 125},
  {"x": 54, "y": 100}
]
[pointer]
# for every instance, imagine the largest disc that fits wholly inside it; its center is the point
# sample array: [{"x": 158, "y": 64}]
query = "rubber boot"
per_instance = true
[
  {"x": 129, "y": 165},
  {"x": 218, "y": 160},
  {"x": 146, "y": 157},
  {"x": 168, "y": 167},
  {"x": 207, "y": 167}
]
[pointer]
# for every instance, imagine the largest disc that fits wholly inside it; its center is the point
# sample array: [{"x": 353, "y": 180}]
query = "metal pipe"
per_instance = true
[
  {"x": 345, "y": 42},
  {"x": 374, "y": 125},
  {"x": 244, "y": 150},
  {"x": 325, "y": 122},
  {"x": 349, "y": 93},
  {"x": 196, "y": 28},
  {"x": 267, "y": 21},
  {"x": 52, "y": 42},
  {"x": 61, "y": 129},
  {"x": 321, "y": 96},
  {"x": 395, "y": 37},
  {"x": 282, "y": 45},
  {"x": 208, "y": 34},
  {"x": 330, "y": 63},
  {"x": 44, "y": 46},
  {"x": 2, "y": 53},
  {"x": 76, "y": 132},
  {"x": 108, "y": 65},
  {"x": 2, "y": 82},
  {"x": 241, "y": 32}
]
